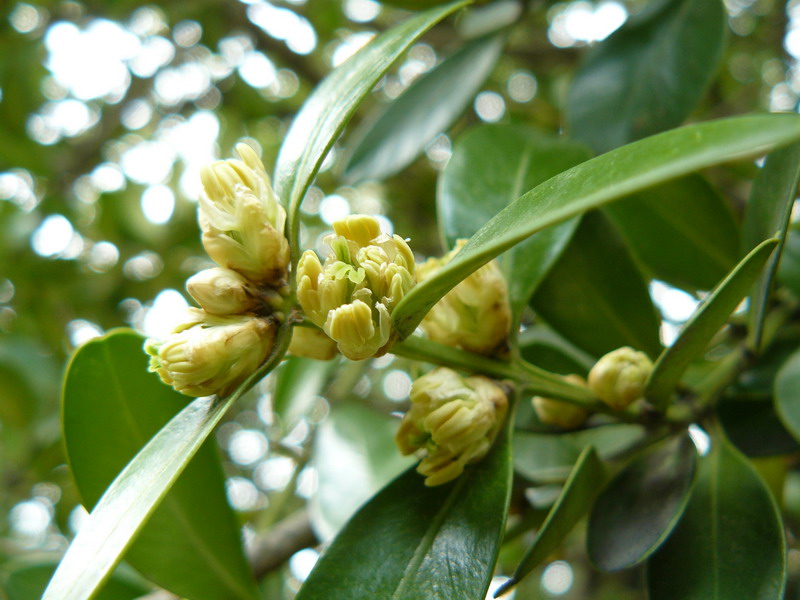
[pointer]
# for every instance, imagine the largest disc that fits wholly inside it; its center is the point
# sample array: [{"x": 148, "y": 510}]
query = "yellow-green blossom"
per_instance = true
[
  {"x": 620, "y": 376},
  {"x": 474, "y": 315},
  {"x": 351, "y": 296},
  {"x": 453, "y": 419},
  {"x": 222, "y": 291},
  {"x": 242, "y": 220},
  {"x": 312, "y": 343},
  {"x": 557, "y": 412},
  {"x": 208, "y": 354}
]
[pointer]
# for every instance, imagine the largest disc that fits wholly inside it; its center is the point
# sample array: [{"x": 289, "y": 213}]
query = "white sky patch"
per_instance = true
[
  {"x": 257, "y": 70},
  {"x": 247, "y": 446},
  {"x": 701, "y": 439},
  {"x": 107, "y": 177},
  {"x": 243, "y": 494},
  {"x": 585, "y": 22},
  {"x": 148, "y": 162},
  {"x": 136, "y": 114},
  {"x": 103, "y": 256},
  {"x": 333, "y": 207},
  {"x": 284, "y": 24},
  {"x": 80, "y": 331},
  {"x": 91, "y": 62},
  {"x": 158, "y": 204},
  {"x": 53, "y": 236},
  {"x": 522, "y": 86},
  {"x": 302, "y": 563},
  {"x": 361, "y": 11},
  {"x": 166, "y": 311},
  {"x": 155, "y": 52},
  {"x": 676, "y": 305},
  {"x": 490, "y": 106},
  {"x": 558, "y": 578}
]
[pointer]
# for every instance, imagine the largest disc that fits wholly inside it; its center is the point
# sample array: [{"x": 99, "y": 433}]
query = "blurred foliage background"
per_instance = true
[{"x": 107, "y": 112}]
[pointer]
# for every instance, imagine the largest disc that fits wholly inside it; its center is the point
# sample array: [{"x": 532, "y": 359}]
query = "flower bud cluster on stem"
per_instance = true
[{"x": 215, "y": 348}]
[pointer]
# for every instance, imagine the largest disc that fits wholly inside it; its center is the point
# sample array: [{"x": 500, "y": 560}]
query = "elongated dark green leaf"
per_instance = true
[
  {"x": 705, "y": 323},
  {"x": 787, "y": 394},
  {"x": 27, "y": 579},
  {"x": 354, "y": 456},
  {"x": 298, "y": 382},
  {"x": 593, "y": 183},
  {"x": 428, "y": 107},
  {"x": 753, "y": 426},
  {"x": 585, "y": 481},
  {"x": 547, "y": 457},
  {"x": 649, "y": 75},
  {"x": 641, "y": 506},
  {"x": 683, "y": 232},
  {"x": 492, "y": 166},
  {"x": 595, "y": 295},
  {"x": 144, "y": 482},
  {"x": 768, "y": 214},
  {"x": 327, "y": 110},
  {"x": 730, "y": 542},
  {"x": 412, "y": 541}
]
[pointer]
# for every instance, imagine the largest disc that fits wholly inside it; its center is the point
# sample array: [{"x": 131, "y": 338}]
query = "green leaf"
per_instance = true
[
  {"x": 329, "y": 108},
  {"x": 789, "y": 265},
  {"x": 26, "y": 580},
  {"x": 641, "y": 506},
  {"x": 704, "y": 324},
  {"x": 298, "y": 382},
  {"x": 596, "y": 182},
  {"x": 112, "y": 407},
  {"x": 787, "y": 394},
  {"x": 768, "y": 214},
  {"x": 130, "y": 500},
  {"x": 648, "y": 75},
  {"x": 543, "y": 347},
  {"x": 428, "y": 107},
  {"x": 413, "y": 541},
  {"x": 595, "y": 295},
  {"x": 354, "y": 456},
  {"x": 547, "y": 457},
  {"x": 585, "y": 481},
  {"x": 490, "y": 167},
  {"x": 730, "y": 542},
  {"x": 753, "y": 426},
  {"x": 682, "y": 231}
]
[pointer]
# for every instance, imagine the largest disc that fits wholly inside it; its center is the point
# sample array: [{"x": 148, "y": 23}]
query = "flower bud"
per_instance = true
[
  {"x": 474, "y": 315},
  {"x": 242, "y": 220},
  {"x": 557, "y": 412},
  {"x": 209, "y": 354},
  {"x": 222, "y": 291},
  {"x": 312, "y": 343},
  {"x": 352, "y": 294},
  {"x": 620, "y": 376},
  {"x": 453, "y": 419}
]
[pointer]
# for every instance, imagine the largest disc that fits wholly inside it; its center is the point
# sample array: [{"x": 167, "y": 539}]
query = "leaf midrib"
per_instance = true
[{"x": 169, "y": 502}]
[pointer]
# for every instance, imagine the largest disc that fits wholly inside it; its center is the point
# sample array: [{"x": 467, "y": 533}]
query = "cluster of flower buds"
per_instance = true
[
  {"x": 619, "y": 378},
  {"x": 351, "y": 296},
  {"x": 474, "y": 315},
  {"x": 557, "y": 412},
  {"x": 217, "y": 347},
  {"x": 453, "y": 419}
]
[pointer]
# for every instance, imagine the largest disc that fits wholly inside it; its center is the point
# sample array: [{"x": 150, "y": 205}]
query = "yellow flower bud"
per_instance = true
[
  {"x": 453, "y": 419},
  {"x": 352, "y": 294},
  {"x": 619, "y": 377},
  {"x": 209, "y": 354},
  {"x": 312, "y": 343},
  {"x": 557, "y": 412},
  {"x": 222, "y": 291},
  {"x": 474, "y": 315},
  {"x": 242, "y": 220}
]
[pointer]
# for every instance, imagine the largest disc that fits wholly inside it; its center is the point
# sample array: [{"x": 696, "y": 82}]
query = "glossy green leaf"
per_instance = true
[
  {"x": 753, "y": 426},
  {"x": 112, "y": 407},
  {"x": 548, "y": 457},
  {"x": 543, "y": 347},
  {"x": 329, "y": 108},
  {"x": 704, "y": 324},
  {"x": 428, "y": 107},
  {"x": 26, "y": 580},
  {"x": 789, "y": 265},
  {"x": 730, "y": 542},
  {"x": 596, "y": 297},
  {"x": 596, "y": 182},
  {"x": 130, "y": 500},
  {"x": 682, "y": 231},
  {"x": 298, "y": 383},
  {"x": 585, "y": 481},
  {"x": 412, "y": 541},
  {"x": 354, "y": 456},
  {"x": 768, "y": 215},
  {"x": 787, "y": 394},
  {"x": 648, "y": 75},
  {"x": 641, "y": 506},
  {"x": 491, "y": 166}
]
